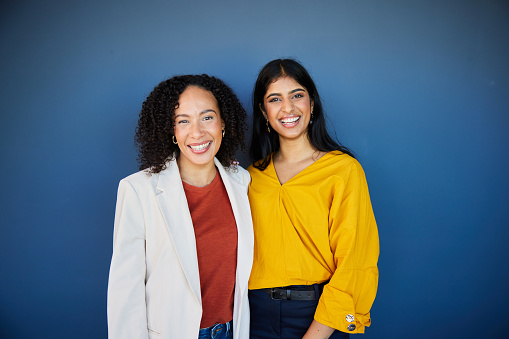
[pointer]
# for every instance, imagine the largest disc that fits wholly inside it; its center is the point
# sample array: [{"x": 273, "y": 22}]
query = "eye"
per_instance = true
[
  {"x": 298, "y": 95},
  {"x": 182, "y": 122},
  {"x": 208, "y": 117},
  {"x": 274, "y": 99}
]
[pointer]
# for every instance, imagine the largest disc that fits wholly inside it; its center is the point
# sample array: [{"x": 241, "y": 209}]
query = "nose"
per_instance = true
[
  {"x": 287, "y": 105},
  {"x": 197, "y": 130}
]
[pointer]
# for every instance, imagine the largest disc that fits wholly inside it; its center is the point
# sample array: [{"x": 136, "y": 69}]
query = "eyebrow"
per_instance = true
[
  {"x": 291, "y": 92},
  {"x": 201, "y": 113}
]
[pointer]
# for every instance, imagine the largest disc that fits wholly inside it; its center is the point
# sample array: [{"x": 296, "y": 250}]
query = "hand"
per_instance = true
[{"x": 318, "y": 331}]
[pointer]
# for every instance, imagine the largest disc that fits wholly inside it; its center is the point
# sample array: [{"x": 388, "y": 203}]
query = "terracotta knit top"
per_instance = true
[{"x": 216, "y": 243}]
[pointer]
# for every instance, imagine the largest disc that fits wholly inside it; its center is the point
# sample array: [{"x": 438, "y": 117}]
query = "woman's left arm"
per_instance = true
[{"x": 347, "y": 299}]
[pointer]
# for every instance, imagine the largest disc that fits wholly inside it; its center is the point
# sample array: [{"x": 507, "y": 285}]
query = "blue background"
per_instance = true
[{"x": 418, "y": 89}]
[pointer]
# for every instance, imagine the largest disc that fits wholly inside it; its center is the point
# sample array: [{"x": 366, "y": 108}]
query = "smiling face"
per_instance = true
[
  {"x": 288, "y": 108},
  {"x": 198, "y": 128}
]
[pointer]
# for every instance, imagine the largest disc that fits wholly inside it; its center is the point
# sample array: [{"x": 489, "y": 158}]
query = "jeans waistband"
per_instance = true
[{"x": 215, "y": 331}]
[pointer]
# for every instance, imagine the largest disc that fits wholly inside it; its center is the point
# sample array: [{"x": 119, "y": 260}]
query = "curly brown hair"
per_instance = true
[{"x": 154, "y": 133}]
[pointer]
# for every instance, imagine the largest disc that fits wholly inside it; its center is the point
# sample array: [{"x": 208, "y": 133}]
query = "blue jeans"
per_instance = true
[{"x": 217, "y": 331}]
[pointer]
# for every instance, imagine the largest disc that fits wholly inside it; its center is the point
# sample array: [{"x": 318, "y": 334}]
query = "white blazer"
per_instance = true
[{"x": 154, "y": 282}]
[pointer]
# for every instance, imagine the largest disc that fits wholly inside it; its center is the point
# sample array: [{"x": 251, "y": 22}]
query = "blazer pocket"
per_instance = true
[{"x": 155, "y": 295}]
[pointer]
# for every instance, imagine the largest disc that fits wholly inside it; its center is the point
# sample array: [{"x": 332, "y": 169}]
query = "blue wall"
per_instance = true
[{"x": 418, "y": 89}]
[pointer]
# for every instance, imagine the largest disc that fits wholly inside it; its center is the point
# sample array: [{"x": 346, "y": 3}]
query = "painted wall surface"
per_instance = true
[{"x": 418, "y": 89}]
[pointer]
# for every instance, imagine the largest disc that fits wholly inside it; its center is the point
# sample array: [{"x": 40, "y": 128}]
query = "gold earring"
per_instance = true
[
  {"x": 267, "y": 123},
  {"x": 174, "y": 140},
  {"x": 223, "y": 133}
]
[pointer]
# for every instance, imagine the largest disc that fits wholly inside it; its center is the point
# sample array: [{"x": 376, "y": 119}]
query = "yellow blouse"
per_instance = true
[{"x": 318, "y": 226}]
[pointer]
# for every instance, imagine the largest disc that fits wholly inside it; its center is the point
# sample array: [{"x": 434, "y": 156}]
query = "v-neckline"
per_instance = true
[{"x": 273, "y": 168}]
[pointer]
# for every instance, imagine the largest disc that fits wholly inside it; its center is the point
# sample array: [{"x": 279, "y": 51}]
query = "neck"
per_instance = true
[
  {"x": 196, "y": 175},
  {"x": 295, "y": 150}
]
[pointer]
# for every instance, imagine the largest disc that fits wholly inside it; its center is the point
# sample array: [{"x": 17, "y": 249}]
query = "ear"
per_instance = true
[
  {"x": 263, "y": 112},
  {"x": 312, "y": 105},
  {"x": 223, "y": 125}
]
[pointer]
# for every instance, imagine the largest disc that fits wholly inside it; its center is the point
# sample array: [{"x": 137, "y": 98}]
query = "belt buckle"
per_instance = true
[
  {"x": 280, "y": 294},
  {"x": 277, "y": 295}
]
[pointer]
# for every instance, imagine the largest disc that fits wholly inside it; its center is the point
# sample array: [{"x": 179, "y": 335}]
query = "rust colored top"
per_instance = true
[{"x": 216, "y": 243}]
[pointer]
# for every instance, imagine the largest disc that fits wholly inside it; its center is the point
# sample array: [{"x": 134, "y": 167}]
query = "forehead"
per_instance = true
[
  {"x": 194, "y": 97},
  {"x": 284, "y": 84}
]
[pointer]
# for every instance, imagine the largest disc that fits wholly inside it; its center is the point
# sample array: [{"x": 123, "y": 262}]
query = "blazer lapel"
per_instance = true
[
  {"x": 173, "y": 205},
  {"x": 237, "y": 193}
]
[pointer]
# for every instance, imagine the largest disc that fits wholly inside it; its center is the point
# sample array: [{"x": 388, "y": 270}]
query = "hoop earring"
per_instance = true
[
  {"x": 267, "y": 123},
  {"x": 223, "y": 133},
  {"x": 174, "y": 140}
]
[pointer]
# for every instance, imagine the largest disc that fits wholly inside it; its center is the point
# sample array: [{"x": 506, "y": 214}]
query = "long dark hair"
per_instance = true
[
  {"x": 263, "y": 143},
  {"x": 156, "y": 122}
]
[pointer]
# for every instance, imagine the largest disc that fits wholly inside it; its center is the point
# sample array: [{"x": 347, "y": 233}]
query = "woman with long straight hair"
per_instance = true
[{"x": 315, "y": 269}]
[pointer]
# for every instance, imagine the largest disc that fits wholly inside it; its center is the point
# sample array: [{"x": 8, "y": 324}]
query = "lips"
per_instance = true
[
  {"x": 290, "y": 121},
  {"x": 199, "y": 148}
]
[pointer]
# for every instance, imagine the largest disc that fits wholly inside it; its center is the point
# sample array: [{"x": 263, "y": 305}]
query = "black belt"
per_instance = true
[{"x": 295, "y": 292}]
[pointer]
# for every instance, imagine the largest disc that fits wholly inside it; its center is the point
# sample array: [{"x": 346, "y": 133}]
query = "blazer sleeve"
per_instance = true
[
  {"x": 126, "y": 287},
  {"x": 347, "y": 299}
]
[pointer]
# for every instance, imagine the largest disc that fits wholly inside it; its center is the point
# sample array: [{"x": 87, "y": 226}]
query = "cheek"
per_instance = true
[
  {"x": 305, "y": 106},
  {"x": 177, "y": 130},
  {"x": 181, "y": 134},
  {"x": 271, "y": 113},
  {"x": 218, "y": 127}
]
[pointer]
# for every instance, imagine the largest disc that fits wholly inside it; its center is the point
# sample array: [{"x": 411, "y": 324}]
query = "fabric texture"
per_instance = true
[
  {"x": 154, "y": 282},
  {"x": 216, "y": 244},
  {"x": 318, "y": 226}
]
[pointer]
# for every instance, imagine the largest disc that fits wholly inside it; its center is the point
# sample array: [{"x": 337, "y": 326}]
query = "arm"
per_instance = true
[
  {"x": 347, "y": 299},
  {"x": 318, "y": 331},
  {"x": 126, "y": 287}
]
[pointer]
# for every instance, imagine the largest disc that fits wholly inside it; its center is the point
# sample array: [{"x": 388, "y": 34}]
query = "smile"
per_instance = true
[
  {"x": 200, "y": 147},
  {"x": 290, "y": 120}
]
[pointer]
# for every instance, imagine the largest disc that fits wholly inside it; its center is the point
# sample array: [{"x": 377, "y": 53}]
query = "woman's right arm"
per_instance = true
[{"x": 127, "y": 317}]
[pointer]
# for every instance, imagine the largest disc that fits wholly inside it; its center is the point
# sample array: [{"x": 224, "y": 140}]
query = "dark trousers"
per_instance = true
[{"x": 282, "y": 319}]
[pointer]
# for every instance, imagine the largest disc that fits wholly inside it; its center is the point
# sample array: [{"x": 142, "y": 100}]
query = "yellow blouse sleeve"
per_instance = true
[{"x": 348, "y": 297}]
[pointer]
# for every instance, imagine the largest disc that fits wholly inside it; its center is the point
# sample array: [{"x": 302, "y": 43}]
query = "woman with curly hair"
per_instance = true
[
  {"x": 316, "y": 242},
  {"x": 183, "y": 241}
]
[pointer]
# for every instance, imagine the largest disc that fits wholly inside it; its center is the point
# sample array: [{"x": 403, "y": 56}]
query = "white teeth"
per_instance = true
[
  {"x": 200, "y": 147},
  {"x": 289, "y": 120}
]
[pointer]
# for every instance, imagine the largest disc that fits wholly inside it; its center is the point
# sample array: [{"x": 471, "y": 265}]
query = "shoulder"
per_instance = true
[
  {"x": 347, "y": 169},
  {"x": 145, "y": 177},
  {"x": 259, "y": 176},
  {"x": 144, "y": 180},
  {"x": 337, "y": 167},
  {"x": 251, "y": 169},
  {"x": 238, "y": 174},
  {"x": 254, "y": 168},
  {"x": 139, "y": 178},
  {"x": 136, "y": 184},
  {"x": 341, "y": 161}
]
